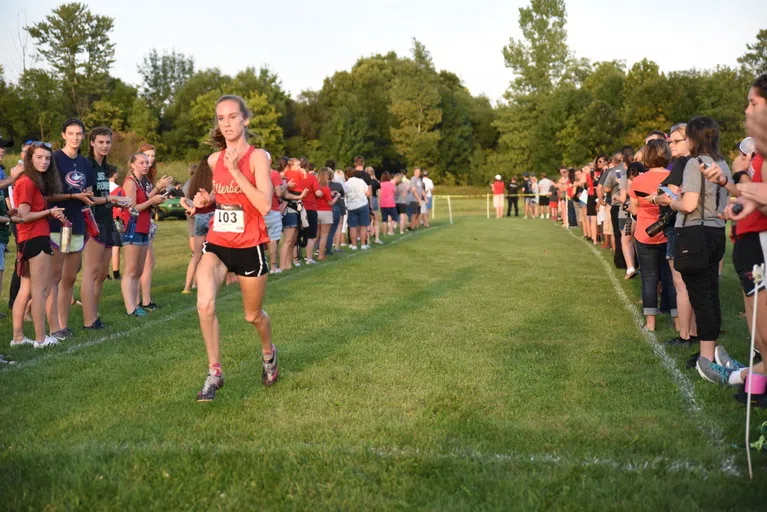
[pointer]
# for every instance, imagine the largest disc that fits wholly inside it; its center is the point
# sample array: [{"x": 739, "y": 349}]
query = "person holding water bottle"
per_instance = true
[
  {"x": 33, "y": 260},
  {"x": 68, "y": 237},
  {"x": 135, "y": 239},
  {"x": 242, "y": 195}
]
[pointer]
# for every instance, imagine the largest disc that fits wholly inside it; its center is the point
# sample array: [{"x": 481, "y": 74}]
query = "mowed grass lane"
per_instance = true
[{"x": 487, "y": 364}]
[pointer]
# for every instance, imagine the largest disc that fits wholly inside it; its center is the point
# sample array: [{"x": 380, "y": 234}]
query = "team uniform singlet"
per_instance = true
[{"x": 237, "y": 233}]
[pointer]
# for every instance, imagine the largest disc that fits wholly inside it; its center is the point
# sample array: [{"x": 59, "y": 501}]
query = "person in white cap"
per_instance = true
[{"x": 498, "y": 189}]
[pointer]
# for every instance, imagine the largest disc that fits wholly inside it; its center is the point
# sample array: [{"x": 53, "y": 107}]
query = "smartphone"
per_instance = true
[
  {"x": 704, "y": 164},
  {"x": 669, "y": 192}
]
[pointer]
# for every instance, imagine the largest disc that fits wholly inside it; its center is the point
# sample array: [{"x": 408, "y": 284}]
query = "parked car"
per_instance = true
[{"x": 170, "y": 208}]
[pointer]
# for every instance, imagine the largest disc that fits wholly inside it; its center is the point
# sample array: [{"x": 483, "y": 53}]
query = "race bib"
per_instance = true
[{"x": 229, "y": 219}]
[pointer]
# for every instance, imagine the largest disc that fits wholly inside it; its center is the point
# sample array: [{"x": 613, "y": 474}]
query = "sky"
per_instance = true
[{"x": 305, "y": 41}]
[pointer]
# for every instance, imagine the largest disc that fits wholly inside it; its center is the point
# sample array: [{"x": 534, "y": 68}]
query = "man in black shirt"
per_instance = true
[{"x": 512, "y": 189}]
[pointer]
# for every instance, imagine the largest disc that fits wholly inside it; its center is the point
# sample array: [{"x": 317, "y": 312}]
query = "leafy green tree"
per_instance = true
[
  {"x": 415, "y": 100},
  {"x": 754, "y": 60},
  {"x": 163, "y": 75},
  {"x": 44, "y": 104},
  {"x": 75, "y": 43},
  {"x": 143, "y": 122},
  {"x": 539, "y": 59},
  {"x": 103, "y": 113}
]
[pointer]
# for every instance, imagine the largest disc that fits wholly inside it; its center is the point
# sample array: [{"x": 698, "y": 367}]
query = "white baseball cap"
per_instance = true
[
  {"x": 747, "y": 146},
  {"x": 498, "y": 176}
]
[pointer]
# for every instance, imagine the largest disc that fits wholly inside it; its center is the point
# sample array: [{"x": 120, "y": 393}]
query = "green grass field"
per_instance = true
[{"x": 491, "y": 364}]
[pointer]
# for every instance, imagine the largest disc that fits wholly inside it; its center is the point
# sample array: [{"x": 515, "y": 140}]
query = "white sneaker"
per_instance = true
[
  {"x": 50, "y": 341},
  {"x": 276, "y": 271},
  {"x": 379, "y": 242},
  {"x": 541, "y": 215},
  {"x": 525, "y": 216},
  {"x": 354, "y": 247},
  {"x": 296, "y": 263},
  {"x": 365, "y": 247},
  {"x": 24, "y": 341},
  {"x": 310, "y": 262}
]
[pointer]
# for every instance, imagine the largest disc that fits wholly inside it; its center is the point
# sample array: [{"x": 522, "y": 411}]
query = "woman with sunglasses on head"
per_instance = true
[
  {"x": 700, "y": 246},
  {"x": 38, "y": 180},
  {"x": 242, "y": 195},
  {"x": 77, "y": 180},
  {"x": 151, "y": 189},
  {"x": 98, "y": 249},
  {"x": 135, "y": 239}
]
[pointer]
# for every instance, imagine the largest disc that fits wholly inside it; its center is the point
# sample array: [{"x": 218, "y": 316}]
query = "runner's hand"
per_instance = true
[
  {"x": 202, "y": 198},
  {"x": 230, "y": 159}
]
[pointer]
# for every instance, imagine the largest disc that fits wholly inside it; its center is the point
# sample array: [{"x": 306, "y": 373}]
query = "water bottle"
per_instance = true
[
  {"x": 130, "y": 230},
  {"x": 66, "y": 236},
  {"x": 90, "y": 222}
]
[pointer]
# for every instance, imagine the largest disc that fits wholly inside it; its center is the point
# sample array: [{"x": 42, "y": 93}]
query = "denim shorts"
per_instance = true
[
  {"x": 670, "y": 242},
  {"x": 359, "y": 217},
  {"x": 202, "y": 223},
  {"x": 289, "y": 220},
  {"x": 140, "y": 239},
  {"x": 273, "y": 221},
  {"x": 431, "y": 202},
  {"x": 2, "y": 257}
]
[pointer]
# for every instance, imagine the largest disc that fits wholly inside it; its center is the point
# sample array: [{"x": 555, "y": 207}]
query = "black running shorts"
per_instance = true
[{"x": 248, "y": 262}]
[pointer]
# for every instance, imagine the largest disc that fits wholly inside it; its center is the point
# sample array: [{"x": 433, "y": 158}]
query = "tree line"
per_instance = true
[{"x": 398, "y": 111}]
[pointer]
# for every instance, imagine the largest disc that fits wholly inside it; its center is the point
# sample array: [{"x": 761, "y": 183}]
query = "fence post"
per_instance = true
[
  {"x": 433, "y": 204},
  {"x": 450, "y": 209},
  {"x": 488, "y": 205}
]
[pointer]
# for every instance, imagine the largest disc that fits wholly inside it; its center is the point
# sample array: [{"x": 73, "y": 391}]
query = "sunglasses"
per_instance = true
[{"x": 39, "y": 144}]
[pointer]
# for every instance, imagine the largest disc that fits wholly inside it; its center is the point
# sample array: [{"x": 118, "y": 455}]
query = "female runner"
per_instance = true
[{"x": 242, "y": 195}]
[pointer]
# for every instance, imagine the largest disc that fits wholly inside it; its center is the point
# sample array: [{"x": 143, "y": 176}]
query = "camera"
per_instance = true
[{"x": 658, "y": 226}]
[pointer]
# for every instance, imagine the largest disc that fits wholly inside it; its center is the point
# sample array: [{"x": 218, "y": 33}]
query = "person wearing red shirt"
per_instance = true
[
  {"x": 40, "y": 178},
  {"x": 273, "y": 220},
  {"x": 242, "y": 195},
  {"x": 498, "y": 190},
  {"x": 325, "y": 201},
  {"x": 651, "y": 249},
  {"x": 307, "y": 236},
  {"x": 136, "y": 244},
  {"x": 291, "y": 216}
]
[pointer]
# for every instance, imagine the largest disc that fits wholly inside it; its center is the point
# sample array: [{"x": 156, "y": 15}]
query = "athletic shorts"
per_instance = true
[
  {"x": 498, "y": 200},
  {"x": 138, "y": 239},
  {"x": 591, "y": 206},
  {"x": 402, "y": 208},
  {"x": 359, "y": 217},
  {"x": 202, "y": 223},
  {"x": 34, "y": 246},
  {"x": 289, "y": 220},
  {"x": 76, "y": 243},
  {"x": 389, "y": 213},
  {"x": 273, "y": 221},
  {"x": 248, "y": 262},
  {"x": 324, "y": 217},
  {"x": 529, "y": 200},
  {"x": 746, "y": 253},
  {"x": 413, "y": 208},
  {"x": 310, "y": 231},
  {"x": 108, "y": 235},
  {"x": 544, "y": 201}
]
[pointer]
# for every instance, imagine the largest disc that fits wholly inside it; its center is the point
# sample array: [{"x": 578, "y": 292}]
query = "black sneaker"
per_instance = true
[
  {"x": 98, "y": 324},
  {"x": 694, "y": 339},
  {"x": 212, "y": 384},
  {"x": 693, "y": 361},
  {"x": 678, "y": 341},
  {"x": 271, "y": 369},
  {"x": 149, "y": 307},
  {"x": 116, "y": 274}
]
